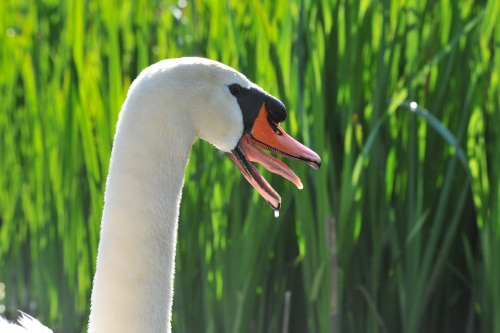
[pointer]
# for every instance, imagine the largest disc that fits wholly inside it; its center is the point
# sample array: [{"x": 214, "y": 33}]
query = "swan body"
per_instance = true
[
  {"x": 27, "y": 324},
  {"x": 170, "y": 105}
]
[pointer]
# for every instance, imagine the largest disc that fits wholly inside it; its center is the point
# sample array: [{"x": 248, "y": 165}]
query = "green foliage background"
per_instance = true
[{"x": 399, "y": 231}]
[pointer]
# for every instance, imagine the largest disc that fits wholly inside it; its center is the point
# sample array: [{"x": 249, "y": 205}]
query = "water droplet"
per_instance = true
[
  {"x": 413, "y": 106},
  {"x": 276, "y": 213}
]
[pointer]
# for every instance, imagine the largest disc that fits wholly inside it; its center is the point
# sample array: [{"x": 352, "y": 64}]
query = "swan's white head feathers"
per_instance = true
[
  {"x": 214, "y": 102},
  {"x": 199, "y": 89}
]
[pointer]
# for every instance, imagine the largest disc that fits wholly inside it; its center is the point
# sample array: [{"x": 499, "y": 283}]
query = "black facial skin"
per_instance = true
[{"x": 251, "y": 100}]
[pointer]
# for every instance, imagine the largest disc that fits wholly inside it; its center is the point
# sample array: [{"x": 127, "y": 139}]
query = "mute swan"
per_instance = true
[{"x": 169, "y": 106}]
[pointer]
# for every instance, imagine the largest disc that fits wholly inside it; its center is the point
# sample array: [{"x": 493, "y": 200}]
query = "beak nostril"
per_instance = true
[{"x": 274, "y": 127}]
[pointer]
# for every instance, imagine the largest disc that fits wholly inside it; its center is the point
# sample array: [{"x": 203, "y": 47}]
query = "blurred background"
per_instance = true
[{"x": 399, "y": 231}]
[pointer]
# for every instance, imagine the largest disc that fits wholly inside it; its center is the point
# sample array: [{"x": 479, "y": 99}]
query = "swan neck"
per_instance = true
[{"x": 133, "y": 284}]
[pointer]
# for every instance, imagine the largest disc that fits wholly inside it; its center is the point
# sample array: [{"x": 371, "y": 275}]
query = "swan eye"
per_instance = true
[{"x": 235, "y": 89}]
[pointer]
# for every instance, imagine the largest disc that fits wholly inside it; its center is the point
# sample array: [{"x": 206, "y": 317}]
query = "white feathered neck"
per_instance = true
[{"x": 168, "y": 106}]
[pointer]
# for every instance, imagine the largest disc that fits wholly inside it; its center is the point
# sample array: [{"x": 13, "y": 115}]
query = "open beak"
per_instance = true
[{"x": 267, "y": 134}]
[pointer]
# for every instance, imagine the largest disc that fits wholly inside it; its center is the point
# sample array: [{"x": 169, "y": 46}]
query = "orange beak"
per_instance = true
[{"x": 267, "y": 134}]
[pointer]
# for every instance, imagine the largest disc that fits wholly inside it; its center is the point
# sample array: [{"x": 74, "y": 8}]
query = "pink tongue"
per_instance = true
[{"x": 269, "y": 162}]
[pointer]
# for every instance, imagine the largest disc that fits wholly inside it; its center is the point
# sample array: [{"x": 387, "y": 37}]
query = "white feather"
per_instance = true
[
  {"x": 169, "y": 106},
  {"x": 26, "y": 323}
]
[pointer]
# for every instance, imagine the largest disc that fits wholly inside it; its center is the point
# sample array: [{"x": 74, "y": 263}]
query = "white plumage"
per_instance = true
[{"x": 169, "y": 106}]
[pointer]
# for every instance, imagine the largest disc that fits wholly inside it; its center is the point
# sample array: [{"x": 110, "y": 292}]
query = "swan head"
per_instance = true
[
  {"x": 236, "y": 116},
  {"x": 262, "y": 115}
]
